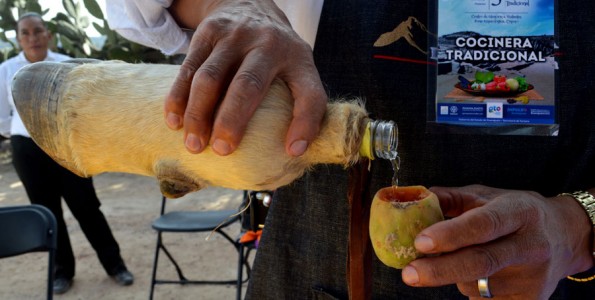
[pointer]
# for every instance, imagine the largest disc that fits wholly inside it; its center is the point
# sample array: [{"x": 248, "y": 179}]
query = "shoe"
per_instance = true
[
  {"x": 62, "y": 285},
  {"x": 123, "y": 277}
]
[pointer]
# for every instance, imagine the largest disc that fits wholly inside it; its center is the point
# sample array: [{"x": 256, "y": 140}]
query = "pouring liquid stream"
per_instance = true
[{"x": 395, "y": 162}]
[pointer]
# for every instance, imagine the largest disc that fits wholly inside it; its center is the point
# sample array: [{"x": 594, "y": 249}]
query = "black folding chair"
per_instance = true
[
  {"x": 29, "y": 228},
  {"x": 195, "y": 221}
]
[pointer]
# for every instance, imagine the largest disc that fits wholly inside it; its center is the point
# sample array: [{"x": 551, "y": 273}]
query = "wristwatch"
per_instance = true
[{"x": 587, "y": 201}]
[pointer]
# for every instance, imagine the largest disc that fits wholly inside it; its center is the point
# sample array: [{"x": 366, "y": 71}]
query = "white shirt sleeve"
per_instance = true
[
  {"x": 5, "y": 107},
  {"x": 149, "y": 23},
  {"x": 304, "y": 16}
]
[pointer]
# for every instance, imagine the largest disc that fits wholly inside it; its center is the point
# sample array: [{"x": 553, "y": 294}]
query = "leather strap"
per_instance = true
[{"x": 359, "y": 264}]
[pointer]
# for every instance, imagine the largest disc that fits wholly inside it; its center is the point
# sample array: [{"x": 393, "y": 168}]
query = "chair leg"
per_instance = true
[
  {"x": 161, "y": 247},
  {"x": 51, "y": 257},
  {"x": 247, "y": 264},
  {"x": 158, "y": 248},
  {"x": 240, "y": 270},
  {"x": 227, "y": 237},
  {"x": 155, "y": 260},
  {"x": 183, "y": 278}
]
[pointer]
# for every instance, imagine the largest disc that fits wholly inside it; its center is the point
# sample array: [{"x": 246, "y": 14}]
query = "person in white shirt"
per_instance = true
[{"x": 45, "y": 181}]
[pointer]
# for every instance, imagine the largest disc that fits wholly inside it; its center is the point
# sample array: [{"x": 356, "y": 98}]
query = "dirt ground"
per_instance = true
[{"x": 130, "y": 203}]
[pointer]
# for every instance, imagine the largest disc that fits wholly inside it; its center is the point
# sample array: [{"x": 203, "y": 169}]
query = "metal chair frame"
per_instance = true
[{"x": 197, "y": 221}]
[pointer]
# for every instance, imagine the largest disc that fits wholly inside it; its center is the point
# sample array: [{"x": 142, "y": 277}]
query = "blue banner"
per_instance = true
[{"x": 495, "y": 63}]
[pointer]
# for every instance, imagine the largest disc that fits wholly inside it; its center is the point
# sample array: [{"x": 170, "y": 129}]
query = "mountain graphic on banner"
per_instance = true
[{"x": 403, "y": 31}]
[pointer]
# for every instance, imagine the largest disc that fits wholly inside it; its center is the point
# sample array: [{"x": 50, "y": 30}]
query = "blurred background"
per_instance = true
[{"x": 80, "y": 30}]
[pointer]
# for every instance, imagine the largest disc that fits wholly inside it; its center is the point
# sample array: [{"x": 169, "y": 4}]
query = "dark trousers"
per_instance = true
[{"x": 46, "y": 182}]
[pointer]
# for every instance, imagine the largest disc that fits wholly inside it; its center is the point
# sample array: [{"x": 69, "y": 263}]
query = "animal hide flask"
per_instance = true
[{"x": 94, "y": 117}]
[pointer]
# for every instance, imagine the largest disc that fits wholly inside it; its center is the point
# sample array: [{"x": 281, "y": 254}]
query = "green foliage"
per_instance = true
[{"x": 69, "y": 33}]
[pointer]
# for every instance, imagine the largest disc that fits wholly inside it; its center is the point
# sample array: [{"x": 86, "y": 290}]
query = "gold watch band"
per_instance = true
[{"x": 587, "y": 201}]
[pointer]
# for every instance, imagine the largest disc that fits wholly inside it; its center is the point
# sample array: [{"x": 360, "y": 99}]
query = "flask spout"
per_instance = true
[{"x": 380, "y": 140}]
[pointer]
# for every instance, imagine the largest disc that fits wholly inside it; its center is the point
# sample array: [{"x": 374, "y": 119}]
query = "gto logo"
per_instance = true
[{"x": 494, "y": 109}]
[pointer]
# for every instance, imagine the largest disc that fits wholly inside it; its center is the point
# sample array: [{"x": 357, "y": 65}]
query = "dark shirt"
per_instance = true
[{"x": 303, "y": 252}]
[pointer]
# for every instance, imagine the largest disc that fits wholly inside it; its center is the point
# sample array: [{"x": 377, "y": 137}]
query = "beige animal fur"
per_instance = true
[{"x": 109, "y": 118}]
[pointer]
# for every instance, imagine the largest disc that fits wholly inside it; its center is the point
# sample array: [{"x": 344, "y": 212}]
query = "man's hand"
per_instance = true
[
  {"x": 237, "y": 50},
  {"x": 524, "y": 243}
]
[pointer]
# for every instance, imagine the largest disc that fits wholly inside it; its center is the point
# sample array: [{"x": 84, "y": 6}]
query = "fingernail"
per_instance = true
[
  {"x": 409, "y": 275},
  {"x": 424, "y": 243},
  {"x": 221, "y": 147},
  {"x": 298, "y": 148},
  {"x": 173, "y": 121},
  {"x": 193, "y": 143}
]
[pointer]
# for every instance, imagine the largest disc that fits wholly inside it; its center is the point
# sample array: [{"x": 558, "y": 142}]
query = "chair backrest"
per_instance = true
[
  {"x": 29, "y": 228},
  {"x": 26, "y": 228}
]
